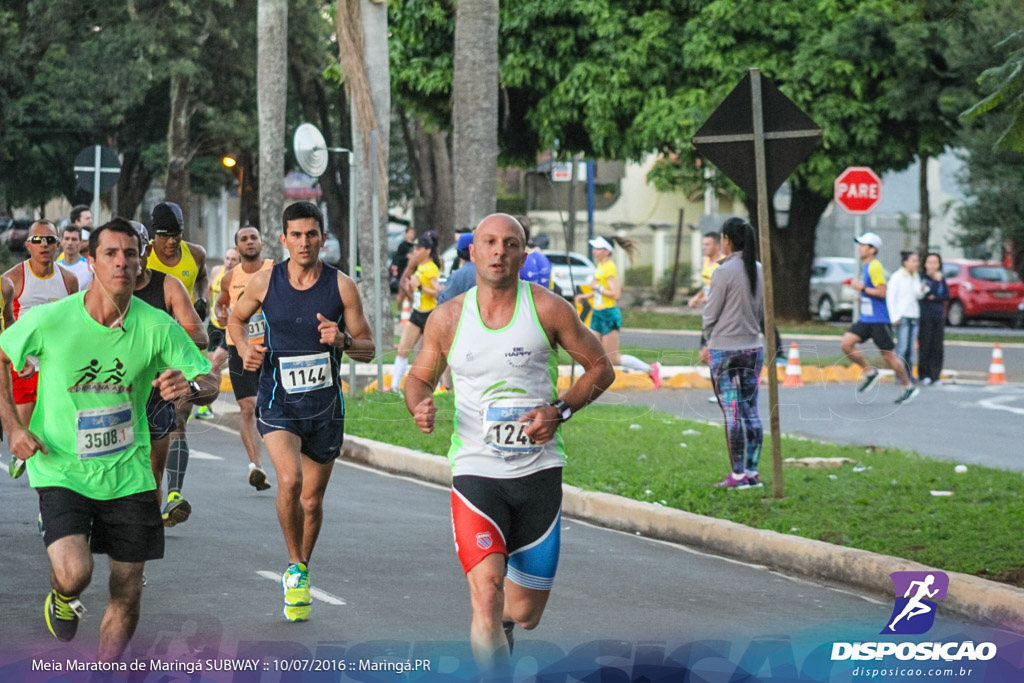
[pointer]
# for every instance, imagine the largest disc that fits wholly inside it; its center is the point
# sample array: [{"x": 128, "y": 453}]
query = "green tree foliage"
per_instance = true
[
  {"x": 620, "y": 78},
  {"x": 1005, "y": 85}
]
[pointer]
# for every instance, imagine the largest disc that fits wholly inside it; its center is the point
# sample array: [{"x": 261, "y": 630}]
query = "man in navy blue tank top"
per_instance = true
[{"x": 313, "y": 315}]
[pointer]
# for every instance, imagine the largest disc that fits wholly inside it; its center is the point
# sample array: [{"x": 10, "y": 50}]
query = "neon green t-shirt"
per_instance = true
[
  {"x": 605, "y": 271},
  {"x": 93, "y": 385}
]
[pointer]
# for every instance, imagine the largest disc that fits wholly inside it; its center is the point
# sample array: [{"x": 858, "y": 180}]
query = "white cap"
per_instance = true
[
  {"x": 601, "y": 243},
  {"x": 869, "y": 238}
]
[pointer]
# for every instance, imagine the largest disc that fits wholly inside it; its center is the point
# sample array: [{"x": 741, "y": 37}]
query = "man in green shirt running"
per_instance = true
[{"x": 87, "y": 445}]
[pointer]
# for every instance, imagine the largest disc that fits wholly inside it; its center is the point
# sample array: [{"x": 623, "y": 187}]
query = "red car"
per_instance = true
[{"x": 981, "y": 289}]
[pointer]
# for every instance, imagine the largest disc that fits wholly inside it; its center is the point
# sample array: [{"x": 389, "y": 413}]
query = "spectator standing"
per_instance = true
[
  {"x": 732, "y": 325},
  {"x": 901, "y": 298},
  {"x": 933, "y": 321},
  {"x": 712, "y": 247},
  {"x": 401, "y": 259}
]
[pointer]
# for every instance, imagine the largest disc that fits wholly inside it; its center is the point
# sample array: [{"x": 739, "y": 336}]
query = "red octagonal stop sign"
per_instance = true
[{"x": 858, "y": 189}]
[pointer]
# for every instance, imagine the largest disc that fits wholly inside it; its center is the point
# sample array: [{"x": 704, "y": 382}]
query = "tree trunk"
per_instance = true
[
  {"x": 363, "y": 51},
  {"x": 334, "y": 181},
  {"x": 475, "y": 110},
  {"x": 926, "y": 212},
  {"x": 442, "y": 214},
  {"x": 132, "y": 184},
  {"x": 272, "y": 94},
  {"x": 179, "y": 147},
  {"x": 248, "y": 189},
  {"x": 793, "y": 250}
]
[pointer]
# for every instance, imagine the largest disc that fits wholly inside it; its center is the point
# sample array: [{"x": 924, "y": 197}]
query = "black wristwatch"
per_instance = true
[
  {"x": 564, "y": 409},
  {"x": 194, "y": 389},
  {"x": 347, "y": 344}
]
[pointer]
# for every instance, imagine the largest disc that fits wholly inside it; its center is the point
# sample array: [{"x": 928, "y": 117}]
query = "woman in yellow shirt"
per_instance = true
[
  {"x": 606, "y": 320},
  {"x": 424, "y": 285}
]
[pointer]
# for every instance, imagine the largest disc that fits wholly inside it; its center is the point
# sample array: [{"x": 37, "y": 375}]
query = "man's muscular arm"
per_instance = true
[{"x": 430, "y": 363}]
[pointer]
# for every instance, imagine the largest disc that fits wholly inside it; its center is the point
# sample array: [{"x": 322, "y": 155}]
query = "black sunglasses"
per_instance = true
[{"x": 42, "y": 239}]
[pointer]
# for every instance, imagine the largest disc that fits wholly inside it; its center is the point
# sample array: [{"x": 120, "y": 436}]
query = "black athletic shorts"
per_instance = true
[
  {"x": 419, "y": 318},
  {"x": 880, "y": 333},
  {"x": 217, "y": 337},
  {"x": 245, "y": 383},
  {"x": 160, "y": 415},
  {"x": 321, "y": 437},
  {"x": 128, "y": 529}
]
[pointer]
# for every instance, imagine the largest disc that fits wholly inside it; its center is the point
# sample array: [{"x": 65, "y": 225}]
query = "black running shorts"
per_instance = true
[
  {"x": 160, "y": 415},
  {"x": 128, "y": 529},
  {"x": 880, "y": 333},
  {"x": 217, "y": 337},
  {"x": 419, "y": 319},
  {"x": 244, "y": 383}
]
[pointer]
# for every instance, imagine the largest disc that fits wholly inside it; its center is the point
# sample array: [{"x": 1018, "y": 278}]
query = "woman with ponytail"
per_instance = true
[
  {"x": 732, "y": 325},
  {"x": 606, "y": 320}
]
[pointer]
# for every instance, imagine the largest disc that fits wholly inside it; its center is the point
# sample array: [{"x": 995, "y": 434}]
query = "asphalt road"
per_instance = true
[
  {"x": 961, "y": 423},
  {"x": 389, "y": 585},
  {"x": 971, "y": 359}
]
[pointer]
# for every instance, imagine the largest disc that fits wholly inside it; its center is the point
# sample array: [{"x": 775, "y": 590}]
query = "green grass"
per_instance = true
[
  {"x": 650, "y": 320},
  {"x": 886, "y": 508}
]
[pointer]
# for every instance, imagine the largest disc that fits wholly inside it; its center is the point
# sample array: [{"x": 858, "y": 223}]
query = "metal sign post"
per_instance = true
[
  {"x": 782, "y": 136},
  {"x": 378, "y": 333}
]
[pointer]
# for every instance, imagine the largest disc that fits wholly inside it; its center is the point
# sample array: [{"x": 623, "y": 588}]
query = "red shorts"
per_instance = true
[{"x": 25, "y": 390}]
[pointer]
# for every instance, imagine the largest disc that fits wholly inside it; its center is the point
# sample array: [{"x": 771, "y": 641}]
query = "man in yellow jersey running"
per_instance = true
[
  {"x": 186, "y": 261},
  {"x": 245, "y": 383}
]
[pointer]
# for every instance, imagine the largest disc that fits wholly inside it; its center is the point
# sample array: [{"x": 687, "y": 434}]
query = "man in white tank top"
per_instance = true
[
  {"x": 501, "y": 340},
  {"x": 37, "y": 280}
]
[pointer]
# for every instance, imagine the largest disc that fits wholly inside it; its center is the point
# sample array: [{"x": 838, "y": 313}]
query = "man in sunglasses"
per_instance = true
[
  {"x": 169, "y": 253},
  {"x": 36, "y": 281}
]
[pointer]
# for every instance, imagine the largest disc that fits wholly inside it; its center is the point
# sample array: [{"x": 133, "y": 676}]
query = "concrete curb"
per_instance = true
[{"x": 969, "y": 596}]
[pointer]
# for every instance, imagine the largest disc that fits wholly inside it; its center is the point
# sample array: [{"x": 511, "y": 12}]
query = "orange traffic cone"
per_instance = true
[
  {"x": 794, "y": 378},
  {"x": 997, "y": 371},
  {"x": 406, "y": 313}
]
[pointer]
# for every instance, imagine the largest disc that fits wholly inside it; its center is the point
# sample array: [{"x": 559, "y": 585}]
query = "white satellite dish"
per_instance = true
[{"x": 310, "y": 149}]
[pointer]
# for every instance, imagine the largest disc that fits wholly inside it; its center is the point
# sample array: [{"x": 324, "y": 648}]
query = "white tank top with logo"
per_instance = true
[
  {"x": 499, "y": 375},
  {"x": 37, "y": 290}
]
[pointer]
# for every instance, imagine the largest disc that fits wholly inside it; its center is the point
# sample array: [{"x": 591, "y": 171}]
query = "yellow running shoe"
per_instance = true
[
  {"x": 177, "y": 509},
  {"x": 297, "y": 598}
]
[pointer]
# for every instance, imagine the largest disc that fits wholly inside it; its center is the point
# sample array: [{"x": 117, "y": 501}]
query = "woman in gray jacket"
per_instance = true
[{"x": 732, "y": 325}]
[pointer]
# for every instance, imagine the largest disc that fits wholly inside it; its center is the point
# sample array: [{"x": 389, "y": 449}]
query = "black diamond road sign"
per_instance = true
[
  {"x": 727, "y": 138},
  {"x": 85, "y": 168}
]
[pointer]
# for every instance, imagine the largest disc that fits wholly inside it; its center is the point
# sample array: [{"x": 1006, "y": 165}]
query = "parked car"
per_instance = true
[
  {"x": 578, "y": 265},
  {"x": 831, "y": 294},
  {"x": 981, "y": 290},
  {"x": 330, "y": 252},
  {"x": 14, "y": 232}
]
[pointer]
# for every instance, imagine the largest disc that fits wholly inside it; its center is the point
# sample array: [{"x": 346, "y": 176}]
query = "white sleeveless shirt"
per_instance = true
[
  {"x": 500, "y": 375},
  {"x": 37, "y": 290}
]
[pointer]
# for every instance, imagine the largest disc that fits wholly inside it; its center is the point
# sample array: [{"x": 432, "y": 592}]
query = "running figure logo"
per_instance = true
[{"x": 914, "y": 612}]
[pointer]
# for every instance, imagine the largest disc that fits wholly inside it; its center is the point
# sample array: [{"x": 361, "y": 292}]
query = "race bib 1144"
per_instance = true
[{"x": 306, "y": 373}]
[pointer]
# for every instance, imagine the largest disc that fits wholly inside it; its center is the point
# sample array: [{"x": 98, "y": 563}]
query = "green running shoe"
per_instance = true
[
  {"x": 205, "y": 413},
  {"x": 62, "y": 615},
  {"x": 295, "y": 585},
  {"x": 177, "y": 509},
  {"x": 17, "y": 467}
]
